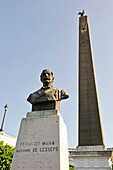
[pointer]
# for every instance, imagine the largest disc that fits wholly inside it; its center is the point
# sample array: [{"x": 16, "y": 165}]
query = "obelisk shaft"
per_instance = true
[{"x": 90, "y": 128}]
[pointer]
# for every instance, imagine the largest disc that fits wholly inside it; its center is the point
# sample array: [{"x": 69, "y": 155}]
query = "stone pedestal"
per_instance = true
[
  {"x": 42, "y": 142},
  {"x": 91, "y": 158}
]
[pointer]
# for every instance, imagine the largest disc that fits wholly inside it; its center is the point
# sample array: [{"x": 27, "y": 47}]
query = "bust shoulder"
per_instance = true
[
  {"x": 64, "y": 94},
  {"x": 47, "y": 94}
]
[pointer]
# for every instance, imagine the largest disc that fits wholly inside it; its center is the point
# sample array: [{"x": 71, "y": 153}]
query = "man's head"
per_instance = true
[{"x": 47, "y": 77}]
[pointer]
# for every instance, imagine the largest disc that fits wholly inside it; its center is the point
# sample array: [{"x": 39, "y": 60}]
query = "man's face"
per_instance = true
[{"x": 47, "y": 77}]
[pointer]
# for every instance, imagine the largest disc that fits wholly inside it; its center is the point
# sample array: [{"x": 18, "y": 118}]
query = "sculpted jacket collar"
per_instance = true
[
  {"x": 47, "y": 87},
  {"x": 48, "y": 93}
]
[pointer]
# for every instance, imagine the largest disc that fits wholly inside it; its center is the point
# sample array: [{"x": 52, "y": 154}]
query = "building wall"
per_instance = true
[{"x": 7, "y": 139}]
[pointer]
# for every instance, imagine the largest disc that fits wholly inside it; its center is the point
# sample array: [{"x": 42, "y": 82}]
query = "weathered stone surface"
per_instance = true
[
  {"x": 90, "y": 128},
  {"x": 41, "y": 143},
  {"x": 43, "y": 113},
  {"x": 93, "y": 159}
]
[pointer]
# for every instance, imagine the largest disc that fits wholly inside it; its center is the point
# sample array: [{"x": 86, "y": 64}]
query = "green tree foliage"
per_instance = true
[
  {"x": 71, "y": 167},
  {"x": 6, "y": 155}
]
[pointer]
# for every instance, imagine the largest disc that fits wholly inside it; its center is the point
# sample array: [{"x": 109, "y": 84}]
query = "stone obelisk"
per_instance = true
[
  {"x": 91, "y": 153},
  {"x": 90, "y": 127}
]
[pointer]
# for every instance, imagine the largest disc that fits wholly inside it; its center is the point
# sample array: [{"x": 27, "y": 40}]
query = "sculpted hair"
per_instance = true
[{"x": 44, "y": 71}]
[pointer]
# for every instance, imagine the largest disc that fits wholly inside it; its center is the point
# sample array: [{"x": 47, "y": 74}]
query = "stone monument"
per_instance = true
[
  {"x": 42, "y": 139},
  {"x": 91, "y": 153}
]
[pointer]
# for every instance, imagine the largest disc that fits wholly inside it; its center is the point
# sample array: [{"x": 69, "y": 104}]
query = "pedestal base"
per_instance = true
[
  {"x": 91, "y": 158},
  {"x": 41, "y": 143}
]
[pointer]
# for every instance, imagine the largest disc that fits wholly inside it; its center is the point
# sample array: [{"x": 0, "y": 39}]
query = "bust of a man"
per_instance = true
[{"x": 48, "y": 97}]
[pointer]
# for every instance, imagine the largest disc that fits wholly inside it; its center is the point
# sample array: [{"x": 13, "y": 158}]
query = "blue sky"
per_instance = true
[{"x": 38, "y": 34}]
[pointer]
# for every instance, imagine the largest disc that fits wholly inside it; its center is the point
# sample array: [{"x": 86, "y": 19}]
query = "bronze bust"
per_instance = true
[{"x": 48, "y": 97}]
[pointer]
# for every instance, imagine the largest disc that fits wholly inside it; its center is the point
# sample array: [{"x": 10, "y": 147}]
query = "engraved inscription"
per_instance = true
[
  {"x": 23, "y": 150},
  {"x": 36, "y": 151},
  {"x": 29, "y": 143},
  {"x": 48, "y": 149},
  {"x": 40, "y": 147}
]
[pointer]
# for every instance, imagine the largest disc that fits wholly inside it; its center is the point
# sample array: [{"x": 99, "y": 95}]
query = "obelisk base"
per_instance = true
[
  {"x": 91, "y": 158},
  {"x": 42, "y": 142}
]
